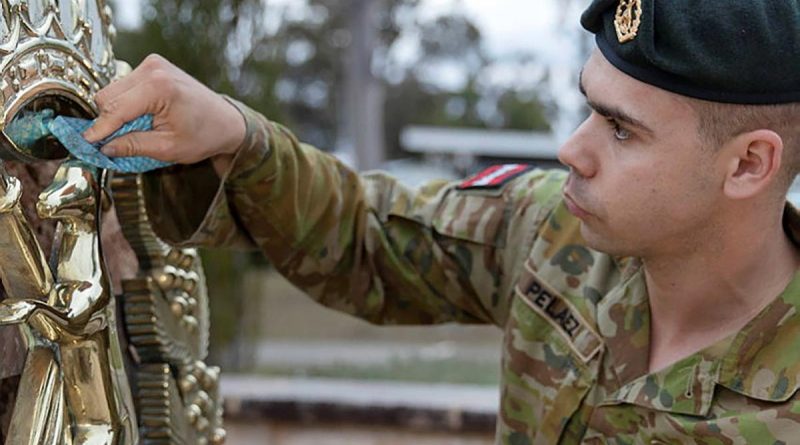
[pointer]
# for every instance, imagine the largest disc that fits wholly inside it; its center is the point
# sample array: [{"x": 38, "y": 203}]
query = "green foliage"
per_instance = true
[
  {"x": 293, "y": 69},
  {"x": 524, "y": 111},
  {"x": 210, "y": 39},
  {"x": 223, "y": 270},
  {"x": 453, "y": 371}
]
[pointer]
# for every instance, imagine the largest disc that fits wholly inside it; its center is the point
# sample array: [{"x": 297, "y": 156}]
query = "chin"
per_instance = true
[{"x": 605, "y": 243}]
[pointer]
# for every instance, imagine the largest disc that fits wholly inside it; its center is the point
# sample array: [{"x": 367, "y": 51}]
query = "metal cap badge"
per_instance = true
[
  {"x": 729, "y": 51},
  {"x": 627, "y": 19}
]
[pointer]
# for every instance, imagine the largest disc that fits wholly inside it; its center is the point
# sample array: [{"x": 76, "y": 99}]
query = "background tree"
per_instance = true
[
  {"x": 289, "y": 61},
  {"x": 214, "y": 41}
]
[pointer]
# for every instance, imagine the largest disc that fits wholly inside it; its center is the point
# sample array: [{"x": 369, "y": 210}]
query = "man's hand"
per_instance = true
[{"x": 190, "y": 122}]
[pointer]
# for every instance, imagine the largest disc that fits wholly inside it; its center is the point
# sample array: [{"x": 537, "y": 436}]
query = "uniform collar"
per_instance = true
[
  {"x": 685, "y": 387},
  {"x": 624, "y": 323},
  {"x": 761, "y": 361}
]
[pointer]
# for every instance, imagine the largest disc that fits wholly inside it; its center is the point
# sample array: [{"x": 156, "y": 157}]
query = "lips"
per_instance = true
[{"x": 574, "y": 208}]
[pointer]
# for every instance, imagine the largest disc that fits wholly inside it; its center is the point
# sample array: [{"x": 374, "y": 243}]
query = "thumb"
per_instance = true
[{"x": 149, "y": 144}]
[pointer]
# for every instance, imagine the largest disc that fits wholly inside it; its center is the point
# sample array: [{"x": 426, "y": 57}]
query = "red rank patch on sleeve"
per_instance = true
[{"x": 494, "y": 177}]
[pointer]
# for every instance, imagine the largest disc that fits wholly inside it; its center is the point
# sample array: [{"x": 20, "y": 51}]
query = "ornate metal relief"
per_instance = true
[
  {"x": 166, "y": 314},
  {"x": 93, "y": 374},
  {"x": 628, "y": 19}
]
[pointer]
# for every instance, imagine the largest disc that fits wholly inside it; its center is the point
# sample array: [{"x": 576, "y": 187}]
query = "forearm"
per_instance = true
[
  {"x": 362, "y": 244},
  {"x": 317, "y": 221}
]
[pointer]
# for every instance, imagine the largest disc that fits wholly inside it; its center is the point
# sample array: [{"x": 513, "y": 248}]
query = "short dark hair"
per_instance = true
[{"x": 719, "y": 122}]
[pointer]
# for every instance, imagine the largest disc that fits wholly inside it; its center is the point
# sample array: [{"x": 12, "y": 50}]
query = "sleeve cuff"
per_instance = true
[
  {"x": 248, "y": 162},
  {"x": 188, "y": 205}
]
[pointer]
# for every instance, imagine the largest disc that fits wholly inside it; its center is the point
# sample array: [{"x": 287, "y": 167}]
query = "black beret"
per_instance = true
[{"x": 733, "y": 51}]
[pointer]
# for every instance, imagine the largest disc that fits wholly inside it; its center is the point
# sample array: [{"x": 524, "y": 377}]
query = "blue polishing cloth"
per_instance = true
[{"x": 29, "y": 127}]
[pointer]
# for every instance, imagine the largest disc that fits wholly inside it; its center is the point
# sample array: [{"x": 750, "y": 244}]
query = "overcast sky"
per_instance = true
[
  {"x": 508, "y": 25},
  {"x": 550, "y": 29},
  {"x": 517, "y": 25}
]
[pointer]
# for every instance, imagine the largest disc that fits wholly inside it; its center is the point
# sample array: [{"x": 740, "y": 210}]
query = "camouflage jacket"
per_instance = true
[{"x": 576, "y": 321}]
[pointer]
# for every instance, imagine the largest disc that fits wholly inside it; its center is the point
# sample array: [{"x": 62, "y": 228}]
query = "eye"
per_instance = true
[{"x": 620, "y": 134}]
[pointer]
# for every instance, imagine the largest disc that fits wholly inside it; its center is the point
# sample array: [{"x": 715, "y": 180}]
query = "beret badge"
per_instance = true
[{"x": 627, "y": 19}]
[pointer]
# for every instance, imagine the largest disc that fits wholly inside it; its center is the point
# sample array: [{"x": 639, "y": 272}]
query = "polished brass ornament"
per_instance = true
[
  {"x": 74, "y": 387},
  {"x": 91, "y": 377},
  {"x": 166, "y": 314},
  {"x": 628, "y": 19},
  {"x": 52, "y": 53}
]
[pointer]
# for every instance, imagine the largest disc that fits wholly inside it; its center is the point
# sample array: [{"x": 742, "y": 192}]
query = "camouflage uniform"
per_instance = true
[{"x": 576, "y": 321}]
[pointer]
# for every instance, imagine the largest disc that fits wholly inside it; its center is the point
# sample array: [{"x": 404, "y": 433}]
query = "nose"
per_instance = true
[{"x": 578, "y": 152}]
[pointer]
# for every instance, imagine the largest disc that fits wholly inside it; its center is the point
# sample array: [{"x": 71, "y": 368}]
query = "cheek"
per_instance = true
[
  {"x": 667, "y": 198},
  {"x": 634, "y": 190}
]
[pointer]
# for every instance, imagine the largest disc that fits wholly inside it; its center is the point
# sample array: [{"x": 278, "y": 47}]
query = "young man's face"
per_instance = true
[{"x": 642, "y": 181}]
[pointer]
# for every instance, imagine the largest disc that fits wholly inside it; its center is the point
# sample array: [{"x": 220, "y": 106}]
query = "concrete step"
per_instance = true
[{"x": 437, "y": 407}]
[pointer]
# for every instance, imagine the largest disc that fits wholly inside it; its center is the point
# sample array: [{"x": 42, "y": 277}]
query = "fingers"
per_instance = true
[
  {"x": 151, "y": 63},
  {"x": 125, "y": 99},
  {"x": 191, "y": 121},
  {"x": 141, "y": 99},
  {"x": 152, "y": 144}
]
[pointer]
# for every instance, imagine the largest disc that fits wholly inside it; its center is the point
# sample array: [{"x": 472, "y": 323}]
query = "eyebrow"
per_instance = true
[{"x": 611, "y": 111}]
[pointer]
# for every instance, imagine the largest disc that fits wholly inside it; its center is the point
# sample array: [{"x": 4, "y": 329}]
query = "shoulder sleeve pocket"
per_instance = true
[{"x": 472, "y": 217}]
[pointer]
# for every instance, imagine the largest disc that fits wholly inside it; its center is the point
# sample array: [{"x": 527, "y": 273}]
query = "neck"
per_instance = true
[{"x": 703, "y": 296}]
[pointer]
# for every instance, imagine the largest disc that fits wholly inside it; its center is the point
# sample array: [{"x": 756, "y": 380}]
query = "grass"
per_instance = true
[{"x": 452, "y": 371}]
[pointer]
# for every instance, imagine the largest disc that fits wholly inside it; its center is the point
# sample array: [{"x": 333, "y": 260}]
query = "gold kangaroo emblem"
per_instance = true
[{"x": 628, "y": 19}]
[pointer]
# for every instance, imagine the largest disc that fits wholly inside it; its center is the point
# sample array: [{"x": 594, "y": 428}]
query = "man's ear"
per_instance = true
[{"x": 753, "y": 163}]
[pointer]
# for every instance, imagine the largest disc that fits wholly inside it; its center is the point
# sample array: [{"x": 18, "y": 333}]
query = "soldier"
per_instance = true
[{"x": 651, "y": 295}]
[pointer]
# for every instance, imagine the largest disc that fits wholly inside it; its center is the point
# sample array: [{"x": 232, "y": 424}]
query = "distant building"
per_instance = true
[
  {"x": 450, "y": 153},
  {"x": 501, "y": 144}
]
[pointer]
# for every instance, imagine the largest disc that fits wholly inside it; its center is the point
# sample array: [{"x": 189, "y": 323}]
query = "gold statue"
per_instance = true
[
  {"x": 82, "y": 397},
  {"x": 78, "y": 386}
]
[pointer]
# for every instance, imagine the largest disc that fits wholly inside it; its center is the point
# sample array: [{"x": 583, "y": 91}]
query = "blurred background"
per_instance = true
[{"x": 422, "y": 88}]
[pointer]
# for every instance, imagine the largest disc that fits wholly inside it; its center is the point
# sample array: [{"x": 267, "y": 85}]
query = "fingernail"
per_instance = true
[
  {"x": 89, "y": 134},
  {"x": 109, "y": 151}
]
